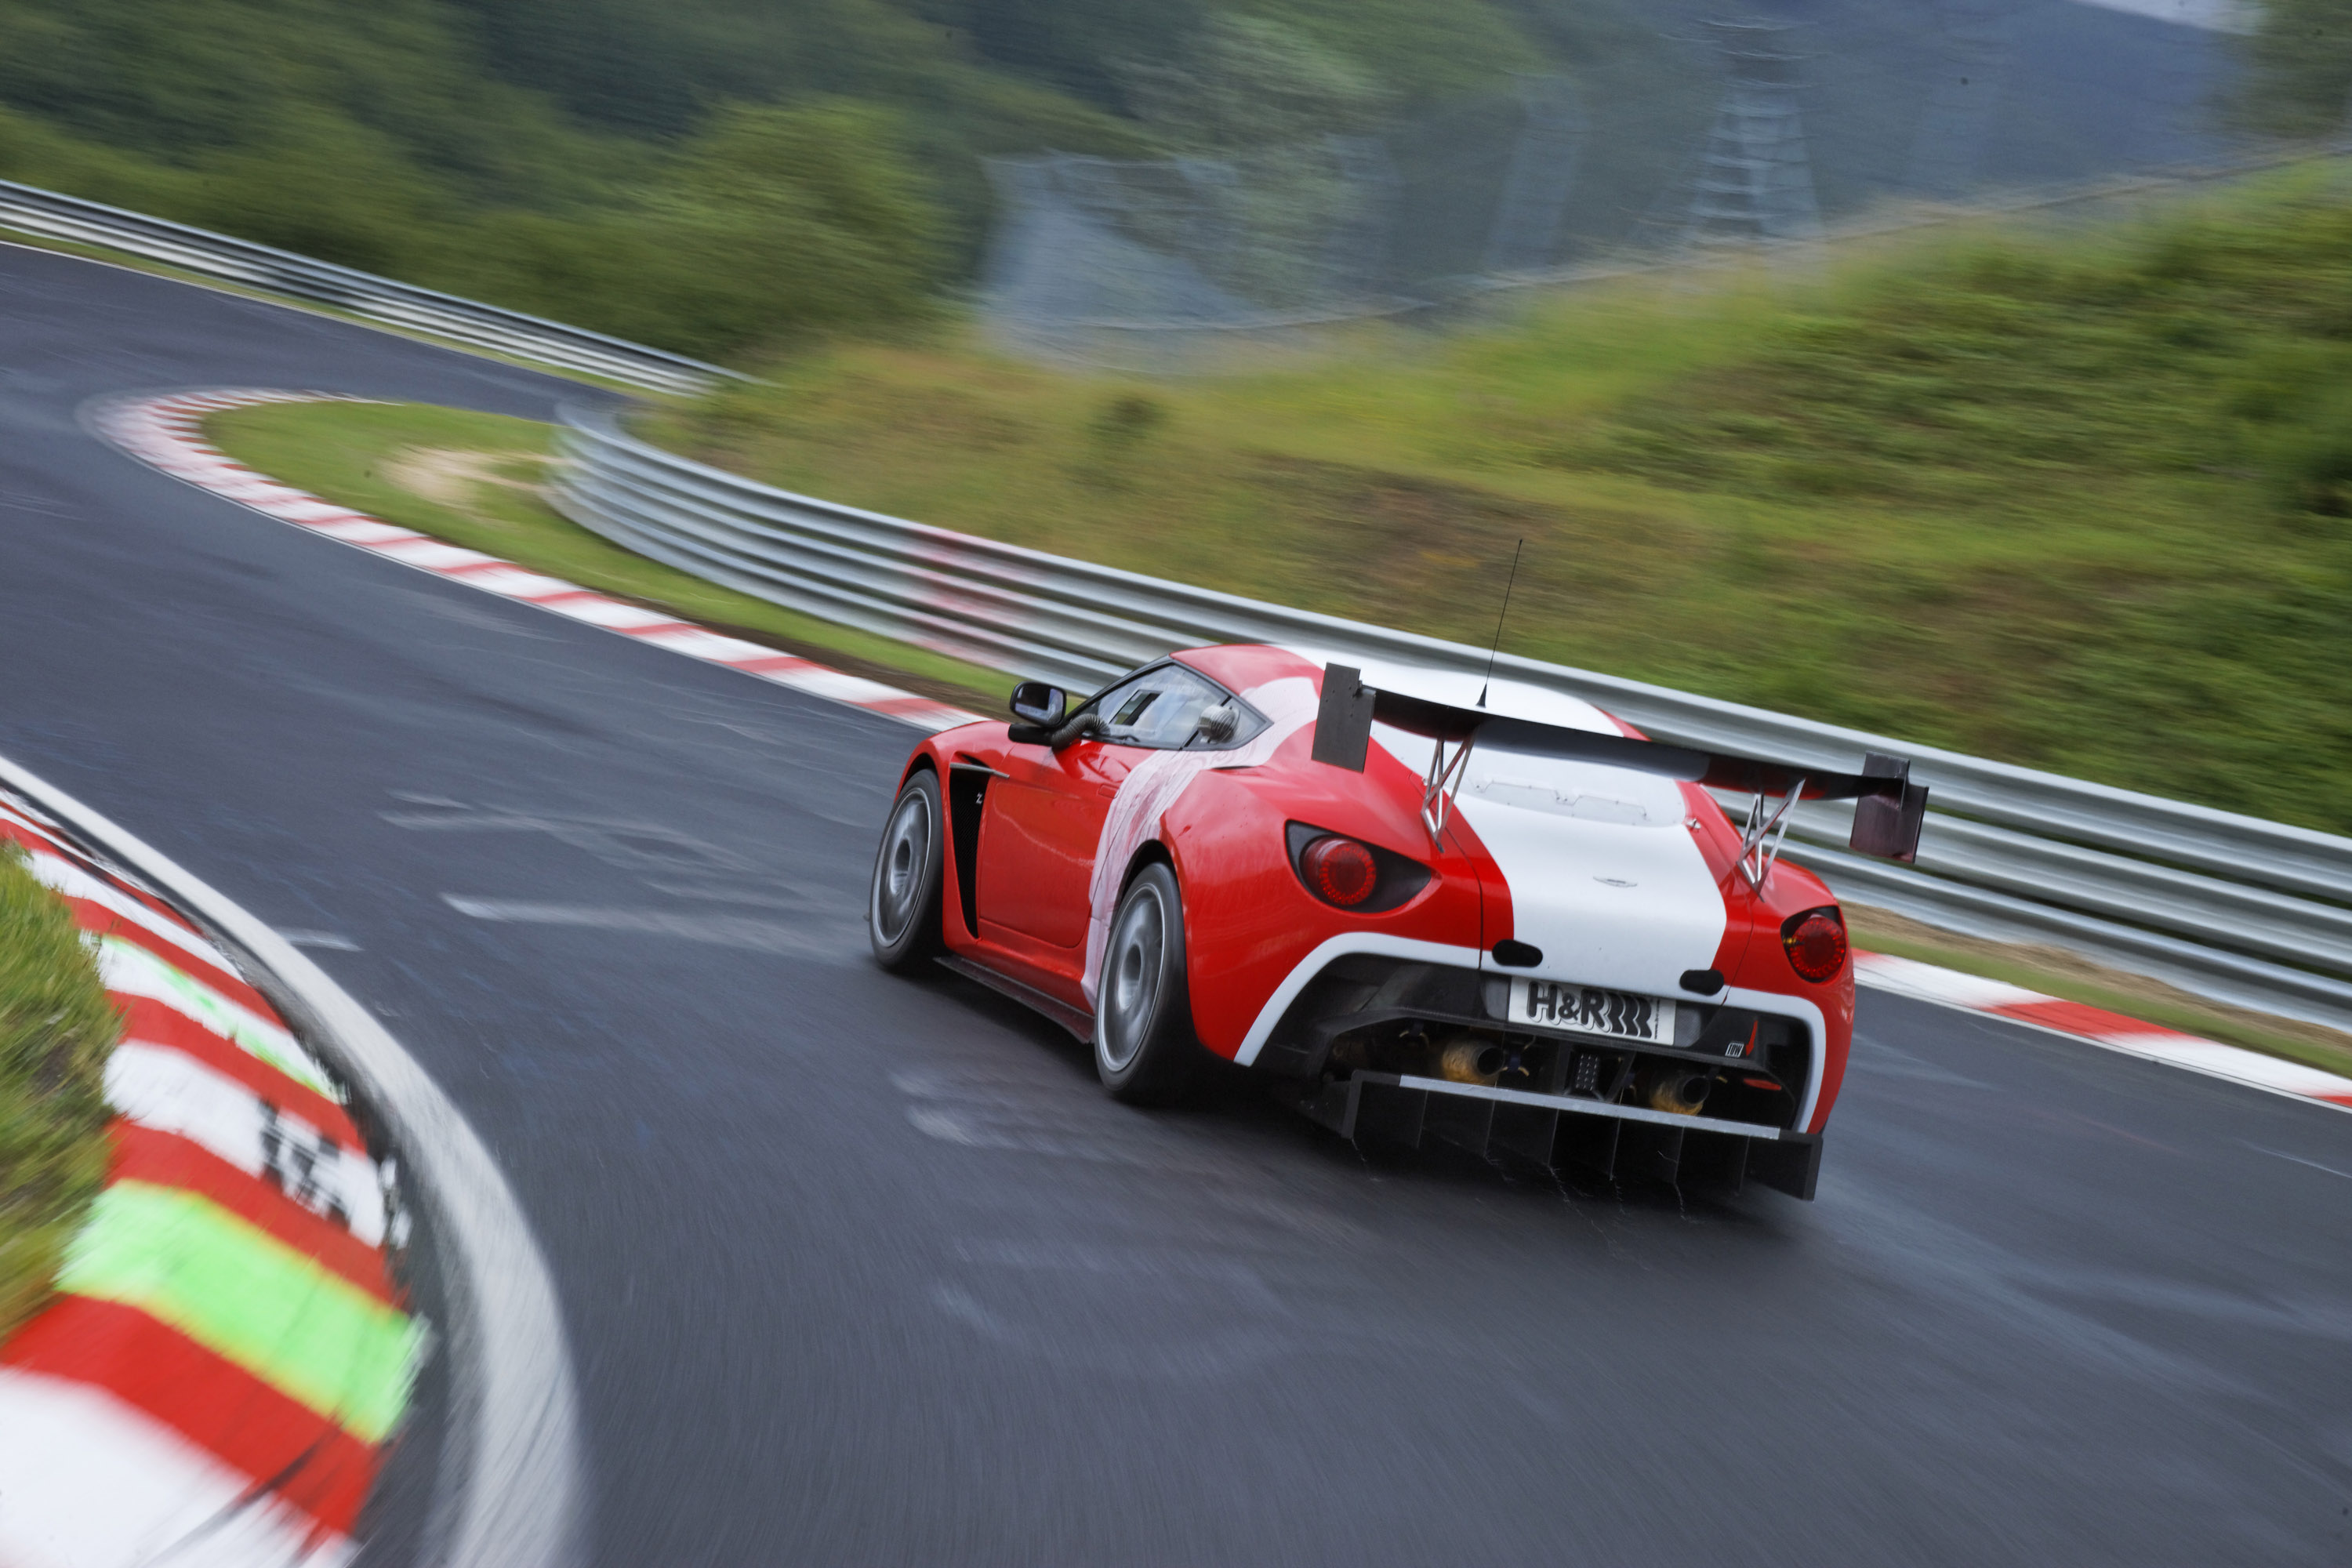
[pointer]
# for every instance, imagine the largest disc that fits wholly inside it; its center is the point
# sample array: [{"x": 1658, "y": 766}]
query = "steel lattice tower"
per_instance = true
[{"x": 1756, "y": 182}]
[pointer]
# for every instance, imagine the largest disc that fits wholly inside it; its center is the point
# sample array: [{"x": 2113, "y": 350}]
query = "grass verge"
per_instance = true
[
  {"x": 57, "y": 1028},
  {"x": 474, "y": 479},
  {"x": 2074, "y": 497},
  {"x": 2055, "y": 971}
]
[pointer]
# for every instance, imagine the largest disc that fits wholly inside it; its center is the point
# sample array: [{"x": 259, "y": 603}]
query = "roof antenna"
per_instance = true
[{"x": 1491, "y": 652}]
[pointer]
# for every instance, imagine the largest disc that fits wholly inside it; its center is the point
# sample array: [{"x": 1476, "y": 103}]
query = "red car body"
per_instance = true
[{"x": 1538, "y": 896}]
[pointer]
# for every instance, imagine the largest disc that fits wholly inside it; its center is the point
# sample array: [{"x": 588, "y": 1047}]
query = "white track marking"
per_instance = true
[{"x": 818, "y": 941}]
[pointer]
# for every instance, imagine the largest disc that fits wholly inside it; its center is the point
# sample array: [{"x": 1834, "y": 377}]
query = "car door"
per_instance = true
[
  {"x": 1037, "y": 839},
  {"x": 1045, "y": 817}
]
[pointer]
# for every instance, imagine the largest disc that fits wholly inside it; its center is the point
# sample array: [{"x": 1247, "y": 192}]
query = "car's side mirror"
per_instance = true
[
  {"x": 1036, "y": 713},
  {"x": 1034, "y": 702}
]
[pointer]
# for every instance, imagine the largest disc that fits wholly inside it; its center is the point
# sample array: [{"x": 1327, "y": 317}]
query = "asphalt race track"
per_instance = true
[{"x": 859, "y": 1270}]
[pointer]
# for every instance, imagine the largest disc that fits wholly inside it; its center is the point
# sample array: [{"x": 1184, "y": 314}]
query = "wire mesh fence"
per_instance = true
[{"x": 1697, "y": 131}]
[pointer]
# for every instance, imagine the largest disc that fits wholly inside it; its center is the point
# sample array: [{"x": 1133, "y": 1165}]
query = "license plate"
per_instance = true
[{"x": 1556, "y": 1005}]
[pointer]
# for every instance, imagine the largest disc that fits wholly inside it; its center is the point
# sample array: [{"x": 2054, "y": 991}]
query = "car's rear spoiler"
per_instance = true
[{"x": 1888, "y": 812}]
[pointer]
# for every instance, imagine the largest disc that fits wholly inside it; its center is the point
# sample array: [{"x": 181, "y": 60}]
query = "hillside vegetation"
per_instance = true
[
  {"x": 709, "y": 175},
  {"x": 696, "y": 174},
  {"x": 2081, "y": 499},
  {"x": 57, "y": 1028}
]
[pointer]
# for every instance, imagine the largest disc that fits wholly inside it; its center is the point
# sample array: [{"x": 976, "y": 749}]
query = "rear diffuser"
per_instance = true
[{"x": 1553, "y": 1132}]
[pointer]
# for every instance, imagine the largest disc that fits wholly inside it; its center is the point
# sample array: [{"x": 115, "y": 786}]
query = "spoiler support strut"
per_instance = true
[{"x": 1759, "y": 846}]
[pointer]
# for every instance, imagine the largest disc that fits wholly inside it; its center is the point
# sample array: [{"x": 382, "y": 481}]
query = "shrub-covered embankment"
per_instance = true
[
  {"x": 2079, "y": 498},
  {"x": 56, "y": 1027}
]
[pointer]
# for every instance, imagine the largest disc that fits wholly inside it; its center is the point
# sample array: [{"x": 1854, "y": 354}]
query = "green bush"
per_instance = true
[
  {"x": 2208, "y": 339},
  {"x": 806, "y": 216},
  {"x": 57, "y": 1028},
  {"x": 320, "y": 187},
  {"x": 773, "y": 221}
]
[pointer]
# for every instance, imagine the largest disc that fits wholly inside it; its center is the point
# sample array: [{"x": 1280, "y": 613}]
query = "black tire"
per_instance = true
[
  {"x": 902, "y": 907},
  {"x": 1145, "y": 1050}
]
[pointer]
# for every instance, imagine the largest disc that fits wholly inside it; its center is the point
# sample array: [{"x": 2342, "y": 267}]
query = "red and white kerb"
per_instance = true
[
  {"x": 165, "y": 432},
  {"x": 1994, "y": 998}
]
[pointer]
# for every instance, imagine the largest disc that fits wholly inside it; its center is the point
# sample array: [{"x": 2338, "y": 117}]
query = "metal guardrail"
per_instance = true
[
  {"x": 31, "y": 210},
  {"x": 2235, "y": 908}
]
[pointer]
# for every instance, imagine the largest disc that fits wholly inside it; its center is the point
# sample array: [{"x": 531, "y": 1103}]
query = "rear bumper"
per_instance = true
[
  {"x": 1369, "y": 992},
  {"x": 1556, "y": 1132}
]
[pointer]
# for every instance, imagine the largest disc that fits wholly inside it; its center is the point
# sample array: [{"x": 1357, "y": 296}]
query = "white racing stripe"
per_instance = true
[
  {"x": 1630, "y": 907},
  {"x": 173, "y": 1092},
  {"x": 1603, "y": 875},
  {"x": 86, "y": 1481},
  {"x": 1158, "y": 781}
]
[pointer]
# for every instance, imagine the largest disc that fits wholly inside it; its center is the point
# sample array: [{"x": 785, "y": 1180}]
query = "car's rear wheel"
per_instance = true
[
  {"x": 1145, "y": 1050},
  {"x": 902, "y": 911}
]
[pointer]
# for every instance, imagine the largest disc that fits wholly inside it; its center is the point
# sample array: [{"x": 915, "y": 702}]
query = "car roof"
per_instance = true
[{"x": 1237, "y": 666}]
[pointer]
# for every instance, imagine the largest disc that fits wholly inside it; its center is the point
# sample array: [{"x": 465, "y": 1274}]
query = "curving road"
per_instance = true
[{"x": 859, "y": 1270}]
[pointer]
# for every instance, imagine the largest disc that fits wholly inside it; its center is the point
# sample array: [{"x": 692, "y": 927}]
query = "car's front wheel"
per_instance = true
[
  {"x": 902, "y": 911},
  {"x": 1145, "y": 1050}
]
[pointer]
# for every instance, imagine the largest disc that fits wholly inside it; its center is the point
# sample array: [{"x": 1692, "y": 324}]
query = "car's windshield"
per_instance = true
[{"x": 1161, "y": 706}]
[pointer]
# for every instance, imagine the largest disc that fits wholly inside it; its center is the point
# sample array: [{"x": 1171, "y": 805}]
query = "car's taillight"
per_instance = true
[
  {"x": 1349, "y": 874},
  {"x": 1340, "y": 871},
  {"x": 1816, "y": 943}
]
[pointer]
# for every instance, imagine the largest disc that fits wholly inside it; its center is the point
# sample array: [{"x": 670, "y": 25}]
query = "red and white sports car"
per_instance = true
[{"x": 1521, "y": 928}]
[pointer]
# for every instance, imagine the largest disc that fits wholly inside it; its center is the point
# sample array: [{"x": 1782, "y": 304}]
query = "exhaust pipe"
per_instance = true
[
  {"x": 1680, "y": 1091},
  {"x": 1466, "y": 1058}
]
